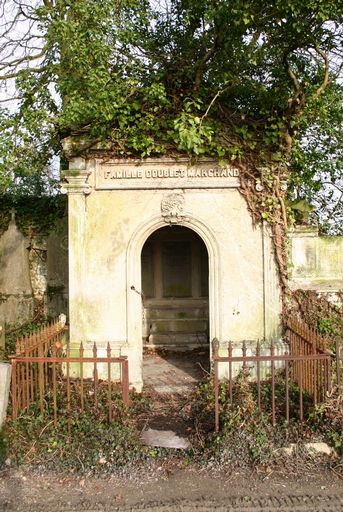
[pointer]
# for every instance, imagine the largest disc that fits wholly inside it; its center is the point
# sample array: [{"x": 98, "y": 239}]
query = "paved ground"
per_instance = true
[
  {"x": 170, "y": 377},
  {"x": 174, "y": 372}
]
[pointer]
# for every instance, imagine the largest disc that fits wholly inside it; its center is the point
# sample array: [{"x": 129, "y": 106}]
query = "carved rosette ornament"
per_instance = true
[{"x": 172, "y": 208}]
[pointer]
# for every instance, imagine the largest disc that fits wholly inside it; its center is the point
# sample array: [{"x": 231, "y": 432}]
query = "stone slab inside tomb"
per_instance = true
[{"x": 164, "y": 256}]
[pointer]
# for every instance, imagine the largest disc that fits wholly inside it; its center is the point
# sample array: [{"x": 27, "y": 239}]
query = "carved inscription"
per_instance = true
[
  {"x": 215, "y": 172},
  {"x": 164, "y": 174}
]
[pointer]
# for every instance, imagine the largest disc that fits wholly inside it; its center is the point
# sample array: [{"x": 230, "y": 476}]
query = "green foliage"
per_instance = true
[
  {"x": 83, "y": 442},
  {"x": 90, "y": 445},
  {"x": 247, "y": 436},
  {"x": 87, "y": 443},
  {"x": 245, "y": 400},
  {"x": 28, "y": 141},
  {"x": 328, "y": 421},
  {"x": 34, "y": 216},
  {"x": 319, "y": 313},
  {"x": 317, "y": 159},
  {"x": 328, "y": 326},
  {"x": 252, "y": 81}
]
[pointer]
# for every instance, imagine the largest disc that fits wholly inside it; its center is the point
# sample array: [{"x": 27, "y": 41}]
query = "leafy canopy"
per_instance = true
[{"x": 248, "y": 80}]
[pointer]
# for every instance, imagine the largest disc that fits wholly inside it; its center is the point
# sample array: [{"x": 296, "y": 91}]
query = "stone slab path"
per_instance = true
[
  {"x": 171, "y": 377},
  {"x": 164, "y": 439},
  {"x": 175, "y": 372}
]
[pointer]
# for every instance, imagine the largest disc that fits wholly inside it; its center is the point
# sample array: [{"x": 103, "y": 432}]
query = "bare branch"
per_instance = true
[
  {"x": 7, "y": 100},
  {"x": 26, "y": 58},
  {"x": 292, "y": 75},
  {"x": 215, "y": 97},
  {"x": 330, "y": 183},
  {"x": 9, "y": 25},
  {"x": 16, "y": 73},
  {"x": 326, "y": 81},
  {"x": 201, "y": 67},
  {"x": 335, "y": 208}
]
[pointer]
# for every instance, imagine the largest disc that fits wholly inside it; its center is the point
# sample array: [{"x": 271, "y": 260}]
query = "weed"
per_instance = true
[
  {"x": 246, "y": 435},
  {"x": 319, "y": 313},
  {"x": 327, "y": 420},
  {"x": 85, "y": 442},
  {"x": 78, "y": 442}
]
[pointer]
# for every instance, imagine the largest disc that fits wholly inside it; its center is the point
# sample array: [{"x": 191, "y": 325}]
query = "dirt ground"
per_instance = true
[{"x": 178, "y": 489}]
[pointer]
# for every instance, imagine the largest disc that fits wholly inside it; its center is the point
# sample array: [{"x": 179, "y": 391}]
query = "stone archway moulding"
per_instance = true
[{"x": 133, "y": 283}]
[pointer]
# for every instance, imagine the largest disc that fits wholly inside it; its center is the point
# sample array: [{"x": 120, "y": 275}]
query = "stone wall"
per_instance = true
[
  {"x": 16, "y": 295},
  {"x": 34, "y": 273},
  {"x": 33, "y": 270},
  {"x": 316, "y": 261}
]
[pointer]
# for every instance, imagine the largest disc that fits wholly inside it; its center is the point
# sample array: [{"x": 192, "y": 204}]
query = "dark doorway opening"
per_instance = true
[
  {"x": 175, "y": 289},
  {"x": 175, "y": 267}
]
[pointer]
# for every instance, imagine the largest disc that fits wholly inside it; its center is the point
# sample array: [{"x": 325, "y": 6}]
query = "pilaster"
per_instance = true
[{"x": 77, "y": 187}]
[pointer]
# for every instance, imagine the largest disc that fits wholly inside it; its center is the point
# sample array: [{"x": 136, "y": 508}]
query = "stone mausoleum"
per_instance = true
[{"x": 163, "y": 253}]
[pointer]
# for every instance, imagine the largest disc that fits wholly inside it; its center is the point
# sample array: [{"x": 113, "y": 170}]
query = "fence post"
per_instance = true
[
  {"x": 215, "y": 347},
  {"x": 125, "y": 381},
  {"x": 215, "y": 351},
  {"x": 272, "y": 353},
  {"x": 14, "y": 389}
]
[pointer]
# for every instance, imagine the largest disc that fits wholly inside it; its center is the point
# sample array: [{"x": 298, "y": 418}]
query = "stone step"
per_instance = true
[
  {"x": 182, "y": 325},
  {"x": 178, "y": 313},
  {"x": 177, "y": 339}
]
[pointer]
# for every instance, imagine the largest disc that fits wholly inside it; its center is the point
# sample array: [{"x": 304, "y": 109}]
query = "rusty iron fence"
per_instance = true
[
  {"x": 339, "y": 364},
  {"x": 39, "y": 342},
  {"x": 306, "y": 362},
  {"x": 304, "y": 340},
  {"x": 43, "y": 368}
]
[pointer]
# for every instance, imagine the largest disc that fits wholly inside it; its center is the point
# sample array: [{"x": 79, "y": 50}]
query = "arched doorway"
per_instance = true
[
  {"x": 135, "y": 299},
  {"x": 174, "y": 263},
  {"x": 175, "y": 286}
]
